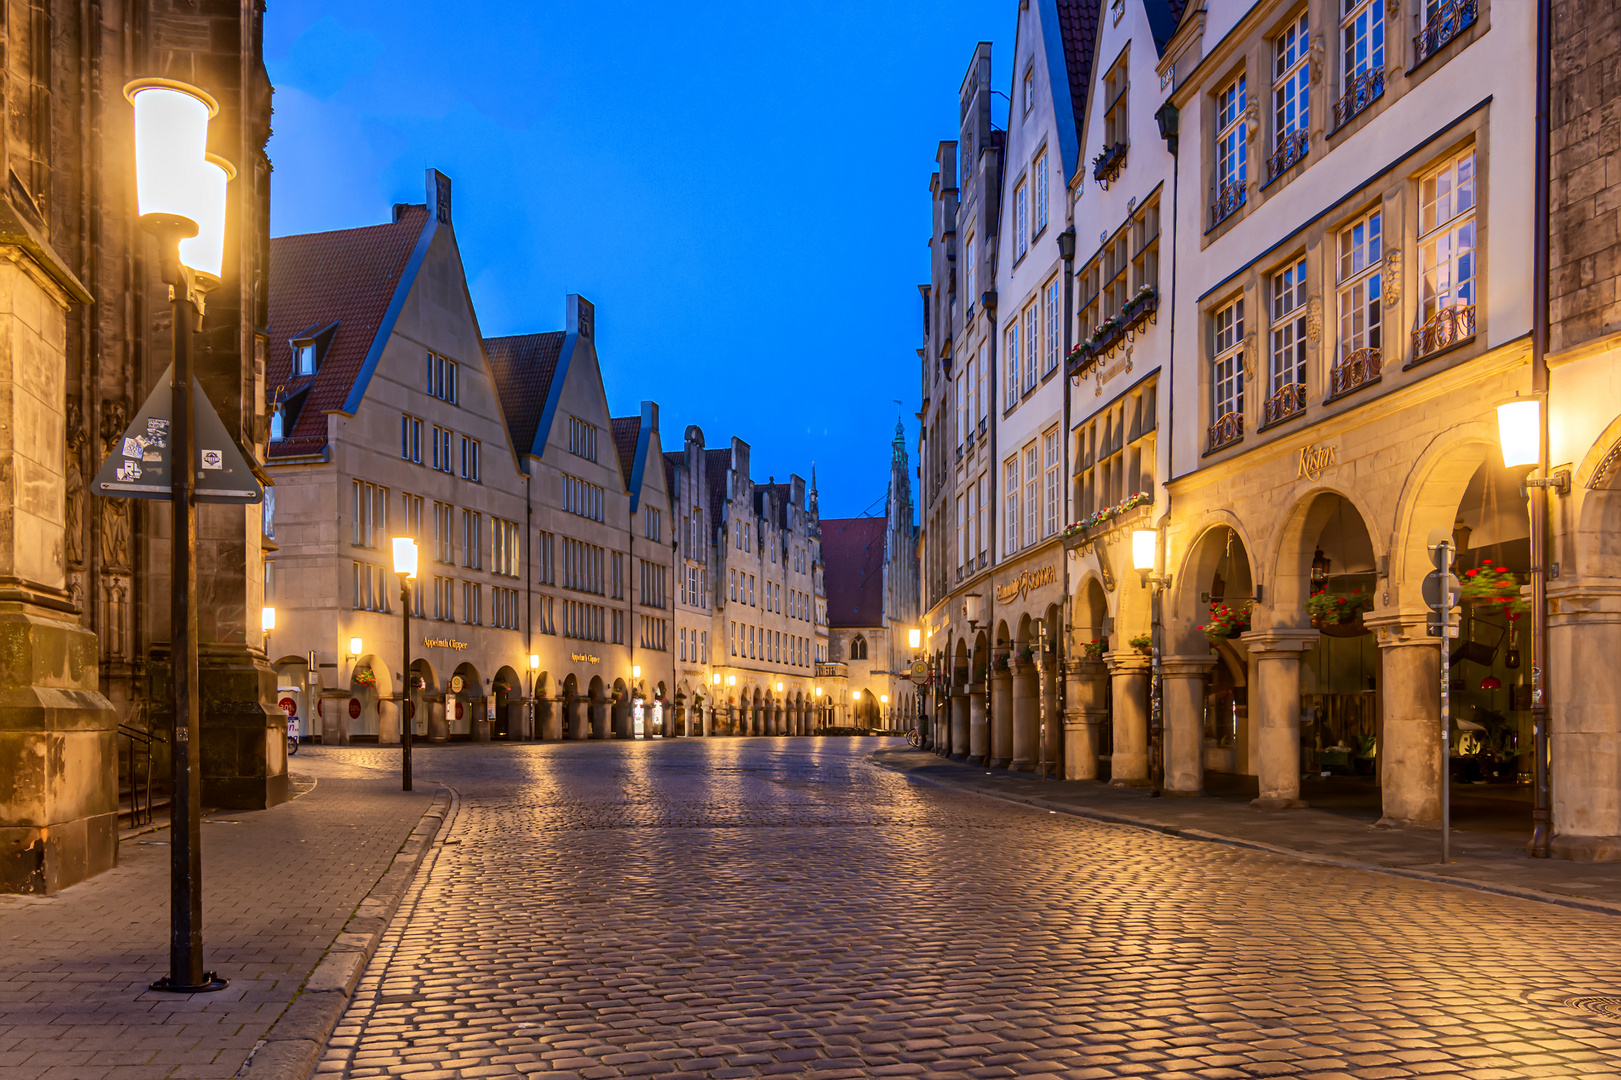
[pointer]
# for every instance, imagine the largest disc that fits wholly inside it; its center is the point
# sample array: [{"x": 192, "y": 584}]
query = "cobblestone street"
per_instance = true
[{"x": 733, "y": 908}]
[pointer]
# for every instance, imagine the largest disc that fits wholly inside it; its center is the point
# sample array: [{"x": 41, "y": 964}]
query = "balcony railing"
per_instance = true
[
  {"x": 1450, "y": 20},
  {"x": 1357, "y": 370},
  {"x": 1447, "y": 327},
  {"x": 1107, "y": 165},
  {"x": 1227, "y": 430},
  {"x": 1360, "y": 92},
  {"x": 1289, "y": 400},
  {"x": 834, "y": 669},
  {"x": 1291, "y": 148},
  {"x": 1228, "y": 199}
]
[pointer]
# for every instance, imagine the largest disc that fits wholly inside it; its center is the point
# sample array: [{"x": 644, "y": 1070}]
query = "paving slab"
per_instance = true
[{"x": 278, "y": 886}]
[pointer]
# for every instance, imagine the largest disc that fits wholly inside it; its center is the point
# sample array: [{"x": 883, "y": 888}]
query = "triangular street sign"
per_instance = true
[{"x": 140, "y": 462}]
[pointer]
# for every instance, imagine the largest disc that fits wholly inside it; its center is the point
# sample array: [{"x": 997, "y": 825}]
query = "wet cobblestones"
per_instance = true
[{"x": 741, "y": 908}]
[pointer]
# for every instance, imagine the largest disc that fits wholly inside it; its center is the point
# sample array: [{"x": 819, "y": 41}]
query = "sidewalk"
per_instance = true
[
  {"x": 279, "y": 885},
  {"x": 1488, "y": 852}
]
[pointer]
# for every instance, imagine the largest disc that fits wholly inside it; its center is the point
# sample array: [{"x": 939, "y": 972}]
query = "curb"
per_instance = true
[
  {"x": 292, "y": 1046},
  {"x": 1601, "y": 907}
]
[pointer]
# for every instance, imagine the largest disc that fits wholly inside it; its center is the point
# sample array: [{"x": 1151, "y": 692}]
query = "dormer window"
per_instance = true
[
  {"x": 277, "y": 429},
  {"x": 310, "y": 347},
  {"x": 304, "y": 359}
]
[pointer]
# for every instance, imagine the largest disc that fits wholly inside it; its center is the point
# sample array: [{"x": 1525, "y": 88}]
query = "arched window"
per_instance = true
[{"x": 858, "y": 648}]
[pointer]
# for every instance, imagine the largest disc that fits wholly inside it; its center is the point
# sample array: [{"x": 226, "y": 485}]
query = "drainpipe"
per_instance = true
[
  {"x": 1542, "y": 808},
  {"x": 988, "y": 302}
]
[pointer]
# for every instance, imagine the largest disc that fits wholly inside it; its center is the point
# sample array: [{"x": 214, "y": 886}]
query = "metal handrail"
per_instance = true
[{"x": 140, "y": 789}]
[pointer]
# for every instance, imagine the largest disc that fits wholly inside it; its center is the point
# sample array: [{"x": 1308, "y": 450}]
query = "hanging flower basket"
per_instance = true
[
  {"x": 1093, "y": 650},
  {"x": 1000, "y": 661},
  {"x": 1338, "y": 609},
  {"x": 1227, "y": 620},
  {"x": 1143, "y": 643},
  {"x": 365, "y": 677},
  {"x": 1026, "y": 655},
  {"x": 1493, "y": 586}
]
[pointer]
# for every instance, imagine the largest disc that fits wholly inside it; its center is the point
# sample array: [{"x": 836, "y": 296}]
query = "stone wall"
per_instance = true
[{"x": 1585, "y": 197}]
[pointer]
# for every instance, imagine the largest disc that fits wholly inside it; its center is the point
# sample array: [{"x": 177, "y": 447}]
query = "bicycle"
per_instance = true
[
  {"x": 914, "y": 737},
  {"x": 292, "y": 735}
]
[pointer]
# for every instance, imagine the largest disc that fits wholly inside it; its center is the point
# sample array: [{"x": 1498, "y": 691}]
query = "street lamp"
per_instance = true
[
  {"x": 405, "y": 565},
  {"x": 1145, "y": 557},
  {"x": 355, "y": 645},
  {"x": 1522, "y": 432},
  {"x": 180, "y": 198},
  {"x": 534, "y": 715}
]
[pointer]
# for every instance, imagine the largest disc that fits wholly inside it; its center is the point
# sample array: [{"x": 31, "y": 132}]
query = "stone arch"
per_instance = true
[
  {"x": 461, "y": 703},
  {"x": 1220, "y": 550},
  {"x": 424, "y": 685},
  {"x": 594, "y": 689},
  {"x": 1597, "y": 484},
  {"x": 1429, "y": 500},
  {"x": 858, "y": 647},
  {"x": 1319, "y": 511},
  {"x": 506, "y": 689},
  {"x": 369, "y": 724}
]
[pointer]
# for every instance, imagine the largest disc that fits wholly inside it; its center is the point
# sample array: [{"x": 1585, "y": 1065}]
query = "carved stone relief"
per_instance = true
[
  {"x": 1391, "y": 280},
  {"x": 1317, "y": 53},
  {"x": 1314, "y": 319},
  {"x": 74, "y": 506},
  {"x": 1249, "y": 356}
]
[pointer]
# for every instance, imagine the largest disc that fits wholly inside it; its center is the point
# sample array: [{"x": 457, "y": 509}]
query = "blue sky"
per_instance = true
[{"x": 741, "y": 188}]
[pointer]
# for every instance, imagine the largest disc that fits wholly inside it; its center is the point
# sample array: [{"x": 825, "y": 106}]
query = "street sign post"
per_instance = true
[{"x": 1442, "y": 593}]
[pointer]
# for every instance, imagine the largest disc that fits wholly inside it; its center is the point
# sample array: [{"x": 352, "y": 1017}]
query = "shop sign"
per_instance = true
[
  {"x": 456, "y": 684},
  {"x": 288, "y": 706},
  {"x": 1027, "y": 580},
  {"x": 443, "y": 643},
  {"x": 585, "y": 658},
  {"x": 354, "y": 708},
  {"x": 1313, "y": 461}
]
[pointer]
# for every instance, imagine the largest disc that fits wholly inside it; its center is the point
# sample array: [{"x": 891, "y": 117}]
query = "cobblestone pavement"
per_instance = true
[
  {"x": 753, "y": 907},
  {"x": 278, "y": 885}
]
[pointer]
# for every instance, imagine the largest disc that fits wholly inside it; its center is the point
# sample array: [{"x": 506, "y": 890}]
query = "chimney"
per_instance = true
[
  {"x": 582, "y": 318},
  {"x": 439, "y": 195}
]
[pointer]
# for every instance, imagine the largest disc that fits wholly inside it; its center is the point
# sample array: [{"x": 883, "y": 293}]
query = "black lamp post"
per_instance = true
[
  {"x": 180, "y": 197},
  {"x": 405, "y": 565}
]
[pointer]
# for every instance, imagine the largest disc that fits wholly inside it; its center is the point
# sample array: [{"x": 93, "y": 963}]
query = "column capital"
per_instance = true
[
  {"x": 1084, "y": 666},
  {"x": 1126, "y": 660},
  {"x": 1186, "y": 666},
  {"x": 1393, "y": 627},
  {"x": 1279, "y": 640}
]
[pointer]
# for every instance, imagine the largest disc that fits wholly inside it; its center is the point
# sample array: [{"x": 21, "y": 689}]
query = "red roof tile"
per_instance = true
[
  {"x": 626, "y": 429},
  {"x": 1078, "y": 24},
  {"x": 348, "y": 276},
  {"x": 853, "y": 554},
  {"x": 523, "y": 367}
]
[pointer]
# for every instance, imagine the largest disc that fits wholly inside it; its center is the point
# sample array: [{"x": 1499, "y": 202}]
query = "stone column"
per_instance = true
[
  {"x": 1584, "y": 716},
  {"x": 1001, "y": 719},
  {"x": 550, "y": 720},
  {"x": 576, "y": 712},
  {"x": 620, "y": 720},
  {"x": 438, "y": 723},
  {"x": 979, "y": 733},
  {"x": 388, "y": 722},
  {"x": 479, "y": 723},
  {"x": 1128, "y": 685},
  {"x": 1026, "y": 715},
  {"x": 1086, "y": 709},
  {"x": 1410, "y": 731},
  {"x": 335, "y": 718},
  {"x": 1275, "y": 706},
  {"x": 777, "y": 727},
  {"x": 1053, "y": 752},
  {"x": 958, "y": 704},
  {"x": 1182, "y": 689}
]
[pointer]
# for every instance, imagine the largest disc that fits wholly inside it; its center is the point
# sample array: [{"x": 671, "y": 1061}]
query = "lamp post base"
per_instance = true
[{"x": 210, "y": 983}]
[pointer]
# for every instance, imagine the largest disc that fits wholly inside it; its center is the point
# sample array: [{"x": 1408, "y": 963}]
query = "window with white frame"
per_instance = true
[
  {"x": 1032, "y": 342},
  {"x": 1032, "y": 493},
  {"x": 470, "y": 449},
  {"x": 1013, "y": 356},
  {"x": 982, "y": 539},
  {"x": 1053, "y": 320},
  {"x": 1052, "y": 482},
  {"x": 1446, "y": 255},
  {"x": 304, "y": 359},
  {"x": 441, "y": 450},
  {"x": 1038, "y": 174},
  {"x": 1291, "y": 94},
  {"x": 1116, "y": 83},
  {"x": 1232, "y": 149},
  {"x": 442, "y": 378},
  {"x": 1010, "y": 505},
  {"x": 582, "y": 438},
  {"x": 369, "y": 512},
  {"x": 1288, "y": 342},
  {"x": 961, "y": 406},
  {"x": 1227, "y": 372},
  {"x": 1360, "y": 292},
  {"x": 970, "y": 271},
  {"x": 1114, "y": 451},
  {"x": 1028, "y": 89},
  {"x": 1362, "y": 57},
  {"x": 981, "y": 402},
  {"x": 1021, "y": 220},
  {"x": 410, "y": 439}
]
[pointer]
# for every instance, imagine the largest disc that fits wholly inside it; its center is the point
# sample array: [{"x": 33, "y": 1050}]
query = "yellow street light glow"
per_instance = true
[
  {"x": 779, "y": 688},
  {"x": 205, "y": 252},
  {"x": 855, "y": 695},
  {"x": 267, "y": 619},
  {"x": 1143, "y": 543},
  {"x": 534, "y": 661},
  {"x": 171, "y": 143},
  {"x": 354, "y": 646},
  {"x": 716, "y": 680},
  {"x": 914, "y": 637},
  {"x": 883, "y": 699},
  {"x": 818, "y": 691},
  {"x": 1519, "y": 430},
  {"x": 731, "y": 680},
  {"x": 405, "y": 556},
  {"x": 636, "y": 671}
]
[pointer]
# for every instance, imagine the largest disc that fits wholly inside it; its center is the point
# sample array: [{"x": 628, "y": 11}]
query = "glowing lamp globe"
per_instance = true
[
  {"x": 534, "y": 661},
  {"x": 405, "y": 556},
  {"x": 205, "y": 253},
  {"x": 1143, "y": 543},
  {"x": 1519, "y": 430},
  {"x": 914, "y": 638},
  {"x": 267, "y": 619},
  {"x": 171, "y": 144}
]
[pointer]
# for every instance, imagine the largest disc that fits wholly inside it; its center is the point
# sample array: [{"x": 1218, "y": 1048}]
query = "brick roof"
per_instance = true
[
  {"x": 348, "y": 276},
  {"x": 626, "y": 430},
  {"x": 523, "y": 367},
  {"x": 716, "y": 462},
  {"x": 853, "y": 554},
  {"x": 1078, "y": 26}
]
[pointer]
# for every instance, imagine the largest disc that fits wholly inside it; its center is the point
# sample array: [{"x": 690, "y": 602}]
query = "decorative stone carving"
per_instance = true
[
  {"x": 1249, "y": 356},
  {"x": 74, "y": 503},
  {"x": 1314, "y": 318},
  {"x": 1316, "y": 53},
  {"x": 114, "y": 534},
  {"x": 1252, "y": 117},
  {"x": 1391, "y": 277},
  {"x": 114, "y": 418}
]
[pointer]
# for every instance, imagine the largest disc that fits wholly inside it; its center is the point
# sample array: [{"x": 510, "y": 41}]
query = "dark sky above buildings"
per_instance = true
[{"x": 741, "y": 188}]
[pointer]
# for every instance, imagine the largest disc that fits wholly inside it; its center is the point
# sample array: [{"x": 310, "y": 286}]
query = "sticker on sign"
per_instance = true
[{"x": 213, "y": 459}]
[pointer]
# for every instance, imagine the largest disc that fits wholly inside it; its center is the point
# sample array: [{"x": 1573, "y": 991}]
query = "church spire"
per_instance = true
[{"x": 815, "y": 512}]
